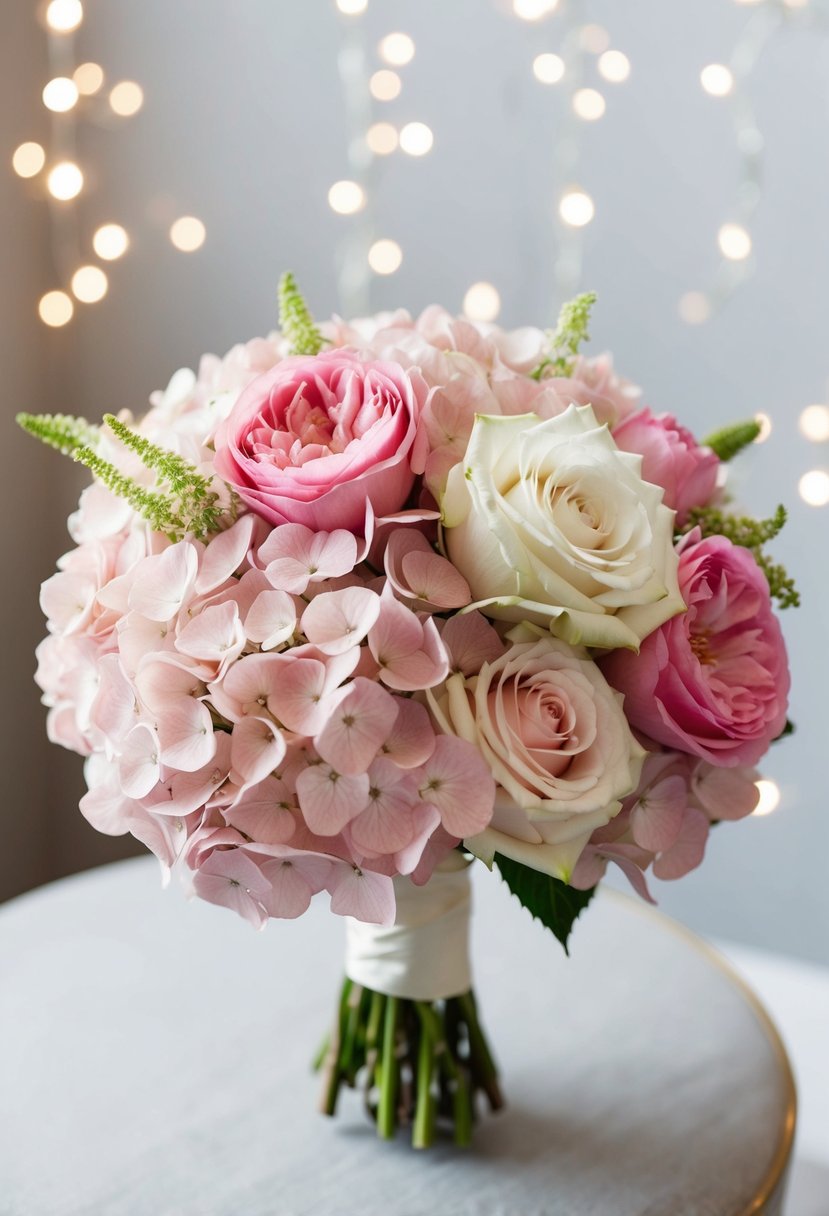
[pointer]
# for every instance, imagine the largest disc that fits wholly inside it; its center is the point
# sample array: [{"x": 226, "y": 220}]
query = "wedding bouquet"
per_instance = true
[{"x": 363, "y": 601}]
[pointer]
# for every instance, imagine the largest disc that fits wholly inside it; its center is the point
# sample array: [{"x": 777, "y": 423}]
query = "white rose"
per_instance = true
[
  {"x": 557, "y": 741},
  {"x": 548, "y": 521}
]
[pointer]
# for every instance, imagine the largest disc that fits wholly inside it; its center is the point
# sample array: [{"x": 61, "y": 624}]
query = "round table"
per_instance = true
[{"x": 155, "y": 1062}]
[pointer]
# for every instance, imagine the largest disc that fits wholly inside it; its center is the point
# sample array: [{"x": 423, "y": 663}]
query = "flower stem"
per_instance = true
[
  {"x": 352, "y": 1021},
  {"x": 387, "y": 1110},
  {"x": 419, "y": 1063},
  {"x": 423, "y": 1133},
  {"x": 331, "y": 1059},
  {"x": 480, "y": 1055}
]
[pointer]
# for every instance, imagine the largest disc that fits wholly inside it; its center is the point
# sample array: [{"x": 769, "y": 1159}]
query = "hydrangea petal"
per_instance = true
[
  {"x": 214, "y": 636},
  {"x": 139, "y": 763},
  {"x": 656, "y": 818},
  {"x": 362, "y": 894},
  {"x": 230, "y": 878},
  {"x": 185, "y": 732},
  {"x": 271, "y": 619},
  {"x": 256, "y": 748},
  {"x": 294, "y": 555},
  {"x": 357, "y": 727},
  {"x": 334, "y": 621},
  {"x": 456, "y": 780},
  {"x": 688, "y": 850},
  {"x": 265, "y": 811},
  {"x": 329, "y": 800},
  {"x": 411, "y": 740},
  {"x": 224, "y": 555},
  {"x": 163, "y": 582}
]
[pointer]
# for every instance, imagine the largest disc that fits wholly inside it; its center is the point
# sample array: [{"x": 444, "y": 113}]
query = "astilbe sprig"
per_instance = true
[
  {"x": 295, "y": 319},
  {"x": 183, "y": 502},
  {"x": 570, "y": 332},
  {"x": 155, "y": 507},
  {"x": 194, "y": 505},
  {"x": 61, "y": 431},
  {"x": 751, "y": 534}
]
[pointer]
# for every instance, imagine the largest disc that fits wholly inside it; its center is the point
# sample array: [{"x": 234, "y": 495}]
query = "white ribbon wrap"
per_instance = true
[{"x": 424, "y": 955}]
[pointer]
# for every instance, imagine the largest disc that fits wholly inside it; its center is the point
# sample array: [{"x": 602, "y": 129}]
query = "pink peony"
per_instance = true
[
  {"x": 714, "y": 681},
  {"x": 319, "y": 441},
  {"x": 671, "y": 458}
]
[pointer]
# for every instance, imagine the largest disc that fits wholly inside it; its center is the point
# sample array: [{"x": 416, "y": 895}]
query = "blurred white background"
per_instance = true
[{"x": 243, "y": 125}]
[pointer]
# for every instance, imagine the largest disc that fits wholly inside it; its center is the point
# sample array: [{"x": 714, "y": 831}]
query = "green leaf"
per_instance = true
[
  {"x": 548, "y": 899},
  {"x": 730, "y": 440}
]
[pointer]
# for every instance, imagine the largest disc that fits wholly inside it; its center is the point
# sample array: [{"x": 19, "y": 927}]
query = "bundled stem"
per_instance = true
[{"x": 420, "y": 1064}]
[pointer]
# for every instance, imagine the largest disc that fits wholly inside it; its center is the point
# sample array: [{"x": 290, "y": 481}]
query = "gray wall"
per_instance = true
[{"x": 243, "y": 125}]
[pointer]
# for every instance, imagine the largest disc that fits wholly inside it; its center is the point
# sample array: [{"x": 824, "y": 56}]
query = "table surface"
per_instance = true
[{"x": 155, "y": 1063}]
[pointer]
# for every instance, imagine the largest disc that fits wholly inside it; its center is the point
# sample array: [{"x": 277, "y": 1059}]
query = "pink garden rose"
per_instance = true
[
  {"x": 317, "y": 440},
  {"x": 671, "y": 458},
  {"x": 714, "y": 681}
]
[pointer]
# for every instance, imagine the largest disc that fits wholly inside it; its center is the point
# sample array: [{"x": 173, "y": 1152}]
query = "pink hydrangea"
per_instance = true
[{"x": 664, "y": 824}]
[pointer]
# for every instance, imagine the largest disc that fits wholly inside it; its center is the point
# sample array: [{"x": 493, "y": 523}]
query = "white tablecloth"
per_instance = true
[
  {"x": 154, "y": 1062},
  {"x": 796, "y": 994}
]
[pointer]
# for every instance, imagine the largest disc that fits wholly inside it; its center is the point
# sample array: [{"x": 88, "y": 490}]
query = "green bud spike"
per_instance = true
[
  {"x": 570, "y": 332},
  {"x": 61, "y": 431},
  {"x": 154, "y": 507},
  {"x": 173, "y": 468},
  {"x": 730, "y": 440},
  {"x": 182, "y": 503},
  {"x": 295, "y": 319}
]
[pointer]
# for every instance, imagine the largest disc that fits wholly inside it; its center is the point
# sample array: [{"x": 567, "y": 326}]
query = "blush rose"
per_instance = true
[{"x": 556, "y": 740}]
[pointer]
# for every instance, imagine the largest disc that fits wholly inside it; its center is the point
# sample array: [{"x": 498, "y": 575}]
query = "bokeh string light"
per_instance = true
[
  {"x": 583, "y": 61},
  {"x": 73, "y": 94},
  {"x": 372, "y": 83},
  {"x": 729, "y": 83},
  {"x": 769, "y": 796},
  {"x": 69, "y": 95}
]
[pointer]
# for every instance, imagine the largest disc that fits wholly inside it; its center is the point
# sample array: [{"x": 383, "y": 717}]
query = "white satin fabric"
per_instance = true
[{"x": 424, "y": 956}]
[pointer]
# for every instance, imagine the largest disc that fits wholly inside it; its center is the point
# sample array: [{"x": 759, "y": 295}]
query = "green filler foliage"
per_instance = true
[
  {"x": 731, "y": 439},
  {"x": 569, "y": 334},
  {"x": 60, "y": 431},
  {"x": 295, "y": 319},
  {"x": 183, "y": 502}
]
